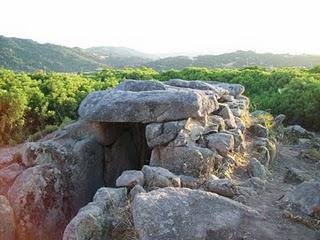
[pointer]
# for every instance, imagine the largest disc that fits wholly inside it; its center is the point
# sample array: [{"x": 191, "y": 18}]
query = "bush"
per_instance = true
[{"x": 29, "y": 103}]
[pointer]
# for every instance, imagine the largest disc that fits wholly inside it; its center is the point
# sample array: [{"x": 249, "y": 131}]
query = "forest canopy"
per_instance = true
[{"x": 33, "y": 104}]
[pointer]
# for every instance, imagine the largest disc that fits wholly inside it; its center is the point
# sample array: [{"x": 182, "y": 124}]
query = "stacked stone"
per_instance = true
[{"x": 193, "y": 127}]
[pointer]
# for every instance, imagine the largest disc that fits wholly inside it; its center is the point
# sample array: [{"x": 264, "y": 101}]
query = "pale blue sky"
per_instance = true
[{"x": 166, "y": 26}]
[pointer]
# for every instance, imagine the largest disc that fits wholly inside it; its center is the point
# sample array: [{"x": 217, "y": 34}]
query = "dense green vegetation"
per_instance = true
[
  {"x": 27, "y": 55},
  {"x": 41, "y": 102}
]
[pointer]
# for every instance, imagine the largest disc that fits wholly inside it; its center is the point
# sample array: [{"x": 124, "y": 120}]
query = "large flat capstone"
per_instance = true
[{"x": 146, "y": 106}]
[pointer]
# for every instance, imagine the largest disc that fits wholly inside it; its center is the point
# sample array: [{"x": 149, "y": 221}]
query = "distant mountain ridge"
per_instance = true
[{"x": 28, "y": 55}]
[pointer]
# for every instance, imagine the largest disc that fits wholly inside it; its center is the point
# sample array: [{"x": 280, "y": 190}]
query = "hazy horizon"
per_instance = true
[{"x": 168, "y": 27}]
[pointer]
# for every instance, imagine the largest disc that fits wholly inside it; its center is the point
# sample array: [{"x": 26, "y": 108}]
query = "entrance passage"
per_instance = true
[{"x": 129, "y": 150}]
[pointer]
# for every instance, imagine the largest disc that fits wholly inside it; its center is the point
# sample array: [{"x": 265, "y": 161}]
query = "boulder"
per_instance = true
[
  {"x": 222, "y": 142},
  {"x": 7, "y": 225},
  {"x": 171, "y": 213},
  {"x": 305, "y": 197},
  {"x": 40, "y": 203},
  {"x": 223, "y": 187},
  {"x": 185, "y": 160},
  {"x": 10, "y": 155},
  {"x": 146, "y": 106},
  {"x": 130, "y": 178},
  {"x": 162, "y": 133},
  {"x": 94, "y": 221},
  {"x": 158, "y": 177}
]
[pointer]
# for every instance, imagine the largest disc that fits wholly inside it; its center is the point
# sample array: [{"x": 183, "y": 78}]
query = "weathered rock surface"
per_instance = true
[
  {"x": 130, "y": 178},
  {"x": 171, "y": 213},
  {"x": 94, "y": 221},
  {"x": 162, "y": 133},
  {"x": 227, "y": 115},
  {"x": 8, "y": 175},
  {"x": 136, "y": 190},
  {"x": 256, "y": 169},
  {"x": 140, "y": 85},
  {"x": 186, "y": 160},
  {"x": 40, "y": 202},
  {"x": 146, "y": 106},
  {"x": 200, "y": 85},
  {"x": 158, "y": 177},
  {"x": 189, "y": 182},
  {"x": 7, "y": 223},
  {"x": 305, "y": 197}
]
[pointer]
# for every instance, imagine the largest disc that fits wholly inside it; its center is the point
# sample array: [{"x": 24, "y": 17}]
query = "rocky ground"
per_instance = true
[{"x": 284, "y": 224}]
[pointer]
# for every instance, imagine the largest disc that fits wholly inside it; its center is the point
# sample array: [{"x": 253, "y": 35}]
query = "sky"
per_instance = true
[{"x": 168, "y": 26}]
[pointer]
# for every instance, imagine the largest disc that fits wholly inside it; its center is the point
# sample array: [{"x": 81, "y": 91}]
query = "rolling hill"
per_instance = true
[{"x": 28, "y": 55}]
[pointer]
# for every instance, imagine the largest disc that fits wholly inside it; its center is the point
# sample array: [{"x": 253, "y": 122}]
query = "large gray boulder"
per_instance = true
[
  {"x": 185, "y": 214},
  {"x": 305, "y": 197},
  {"x": 146, "y": 106},
  {"x": 7, "y": 225},
  {"x": 94, "y": 221},
  {"x": 40, "y": 203}
]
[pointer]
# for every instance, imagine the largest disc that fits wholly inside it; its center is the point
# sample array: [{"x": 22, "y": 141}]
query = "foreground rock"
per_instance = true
[
  {"x": 94, "y": 221},
  {"x": 7, "y": 224},
  {"x": 184, "y": 214},
  {"x": 305, "y": 198}
]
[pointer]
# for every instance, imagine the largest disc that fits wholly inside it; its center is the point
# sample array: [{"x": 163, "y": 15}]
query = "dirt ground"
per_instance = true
[{"x": 285, "y": 225}]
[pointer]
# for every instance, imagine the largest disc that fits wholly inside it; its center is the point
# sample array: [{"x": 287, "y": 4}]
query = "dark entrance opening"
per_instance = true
[{"x": 128, "y": 150}]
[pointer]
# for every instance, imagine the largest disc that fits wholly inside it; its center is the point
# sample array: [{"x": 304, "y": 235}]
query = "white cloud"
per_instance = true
[{"x": 156, "y": 26}]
